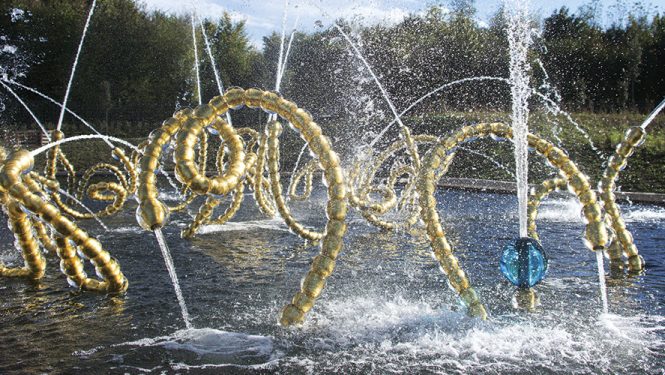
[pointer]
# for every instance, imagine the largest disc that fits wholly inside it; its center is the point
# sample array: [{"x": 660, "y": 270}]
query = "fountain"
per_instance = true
[{"x": 394, "y": 188}]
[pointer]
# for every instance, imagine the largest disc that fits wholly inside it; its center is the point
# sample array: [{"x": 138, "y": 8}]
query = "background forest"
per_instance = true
[{"x": 137, "y": 68}]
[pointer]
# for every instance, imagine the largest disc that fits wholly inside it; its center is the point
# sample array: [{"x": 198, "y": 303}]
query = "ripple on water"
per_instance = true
[{"x": 212, "y": 347}]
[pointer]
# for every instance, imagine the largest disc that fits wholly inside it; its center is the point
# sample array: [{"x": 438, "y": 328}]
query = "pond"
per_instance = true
[{"x": 386, "y": 309}]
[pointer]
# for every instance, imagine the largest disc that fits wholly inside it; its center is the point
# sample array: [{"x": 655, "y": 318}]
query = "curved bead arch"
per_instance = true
[
  {"x": 262, "y": 188},
  {"x": 595, "y": 232},
  {"x": 540, "y": 193},
  {"x": 274, "y": 131},
  {"x": 536, "y": 197},
  {"x": 153, "y": 213},
  {"x": 622, "y": 240},
  {"x": 20, "y": 224},
  {"x": 622, "y": 243}
]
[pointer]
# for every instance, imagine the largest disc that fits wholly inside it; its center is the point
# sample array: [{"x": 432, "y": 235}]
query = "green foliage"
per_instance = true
[{"x": 137, "y": 67}]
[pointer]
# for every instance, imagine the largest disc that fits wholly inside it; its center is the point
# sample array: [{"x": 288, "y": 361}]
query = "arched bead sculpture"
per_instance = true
[
  {"x": 595, "y": 233},
  {"x": 305, "y": 175},
  {"x": 274, "y": 131}
]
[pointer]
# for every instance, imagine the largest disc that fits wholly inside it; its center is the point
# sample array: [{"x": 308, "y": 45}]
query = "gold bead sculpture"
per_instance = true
[
  {"x": 244, "y": 167},
  {"x": 392, "y": 189},
  {"x": 25, "y": 202}
]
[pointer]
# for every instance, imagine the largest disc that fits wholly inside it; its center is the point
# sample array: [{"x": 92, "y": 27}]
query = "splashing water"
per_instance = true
[
  {"x": 206, "y": 341},
  {"x": 519, "y": 40},
  {"x": 374, "y": 77},
  {"x": 496, "y": 162},
  {"x": 554, "y": 108},
  {"x": 76, "y": 61},
  {"x": 384, "y": 93},
  {"x": 174, "y": 276}
]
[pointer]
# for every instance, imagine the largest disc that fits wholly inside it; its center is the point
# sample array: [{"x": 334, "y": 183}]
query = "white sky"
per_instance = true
[{"x": 265, "y": 16}]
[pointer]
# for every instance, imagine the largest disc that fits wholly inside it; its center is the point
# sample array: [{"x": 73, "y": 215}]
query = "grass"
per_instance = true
[{"x": 645, "y": 170}]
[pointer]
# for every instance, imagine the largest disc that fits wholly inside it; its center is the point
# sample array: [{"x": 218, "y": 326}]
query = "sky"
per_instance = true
[{"x": 262, "y": 17}]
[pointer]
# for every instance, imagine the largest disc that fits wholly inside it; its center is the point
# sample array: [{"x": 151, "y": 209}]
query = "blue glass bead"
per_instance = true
[
  {"x": 524, "y": 262},
  {"x": 212, "y": 130}
]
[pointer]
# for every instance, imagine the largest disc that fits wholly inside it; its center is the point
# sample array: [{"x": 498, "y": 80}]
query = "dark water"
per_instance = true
[{"x": 387, "y": 308}]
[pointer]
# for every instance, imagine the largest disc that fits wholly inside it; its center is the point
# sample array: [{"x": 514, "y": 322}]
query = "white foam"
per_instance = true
[
  {"x": 170, "y": 196},
  {"x": 261, "y": 366},
  {"x": 568, "y": 210},
  {"x": 386, "y": 331},
  {"x": 272, "y": 224},
  {"x": 10, "y": 256},
  {"x": 645, "y": 214},
  {"x": 128, "y": 229}
]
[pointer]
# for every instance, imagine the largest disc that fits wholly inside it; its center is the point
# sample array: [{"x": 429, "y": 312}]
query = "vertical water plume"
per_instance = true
[
  {"x": 218, "y": 80},
  {"x": 286, "y": 55},
  {"x": 174, "y": 276},
  {"x": 196, "y": 61},
  {"x": 519, "y": 41},
  {"x": 280, "y": 59},
  {"x": 281, "y": 45},
  {"x": 76, "y": 61}
]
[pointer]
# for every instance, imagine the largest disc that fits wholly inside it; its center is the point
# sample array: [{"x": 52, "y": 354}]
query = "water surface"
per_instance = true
[{"x": 386, "y": 309}]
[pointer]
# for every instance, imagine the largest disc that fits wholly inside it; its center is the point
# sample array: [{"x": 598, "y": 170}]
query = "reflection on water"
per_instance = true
[{"x": 387, "y": 308}]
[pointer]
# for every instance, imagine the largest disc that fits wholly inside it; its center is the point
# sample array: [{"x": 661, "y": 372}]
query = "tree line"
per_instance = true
[{"x": 137, "y": 66}]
